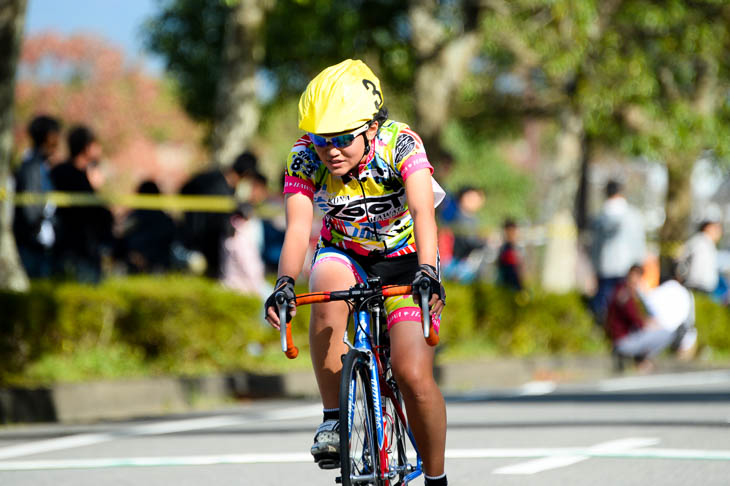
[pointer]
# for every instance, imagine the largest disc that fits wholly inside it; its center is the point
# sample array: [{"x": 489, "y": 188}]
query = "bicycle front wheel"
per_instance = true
[{"x": 359, "y": 455}]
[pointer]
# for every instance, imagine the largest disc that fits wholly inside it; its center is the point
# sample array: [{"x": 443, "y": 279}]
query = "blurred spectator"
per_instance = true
[
  {"x": 618, "y": 242},
  {"x": 272, "y": 233},
  {"x": 469, "y": 246},
  {"x": 509, "y": 260},
  {"x": 243, "y": 268},
  {"x": 205, "y": 232},
  {"x": 146, "y": 243},
  {"x": 634, "y": 333},
  {"x": 84, "y": 232},
  {"x": 448, "y": 210},
  {"x": 33, "y": 225},
  {"x": 672, "y": 307},
  {"x": 697, "y": 265}
]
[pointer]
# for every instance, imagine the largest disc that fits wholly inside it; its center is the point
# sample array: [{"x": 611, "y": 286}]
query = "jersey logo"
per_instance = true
[
  {"x": 379, "y": 208},
  {"x": 403, "y": 146}
]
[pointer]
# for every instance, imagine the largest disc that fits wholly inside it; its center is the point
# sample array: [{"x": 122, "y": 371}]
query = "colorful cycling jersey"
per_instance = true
[{"x": 367, "y": 214}]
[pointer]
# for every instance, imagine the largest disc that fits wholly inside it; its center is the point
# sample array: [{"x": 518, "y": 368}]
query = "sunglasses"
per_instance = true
[{"x": 338, "y": 141}]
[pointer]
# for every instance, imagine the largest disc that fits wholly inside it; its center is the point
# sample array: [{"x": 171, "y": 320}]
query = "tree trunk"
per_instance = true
[
  {"x": 561, "y": 178},
  {"x": 12, "y": 15},
  {"x": 581, "y": 198},
  {"x": 237, "y": 108},
  {"x": 442, "y": 66},
  {"x": 678, "y": 206}
]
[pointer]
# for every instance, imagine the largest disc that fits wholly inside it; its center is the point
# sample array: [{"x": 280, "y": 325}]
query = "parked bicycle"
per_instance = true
[{"x": 374, "y": 431}]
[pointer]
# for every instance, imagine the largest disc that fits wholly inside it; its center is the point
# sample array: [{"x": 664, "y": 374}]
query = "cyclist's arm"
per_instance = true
[
  {"x": 299, "y": 215},
  {"x": 419, "y": 194}
]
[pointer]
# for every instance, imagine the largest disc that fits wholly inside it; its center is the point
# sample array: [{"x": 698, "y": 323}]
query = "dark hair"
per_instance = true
[
  {"x": 464, "y": 189},
  {"x": 705, "y": 223},
  {"x": 148, "y": 187},
  {"x": 259, "y": 177},
  {"x": 381, "y": 116},
  {"x": 79, "y": 138},
  {"x": 509, "y": 223},
  {"x": 245, "y": 164},
  {"x": 40, "y": 127},
  {"x": 613, "y": 187},
  {"x": 636, "y": 268}
]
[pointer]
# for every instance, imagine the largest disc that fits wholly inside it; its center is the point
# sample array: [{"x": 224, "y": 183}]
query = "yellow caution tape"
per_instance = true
[{"x": 218, "y": 204}]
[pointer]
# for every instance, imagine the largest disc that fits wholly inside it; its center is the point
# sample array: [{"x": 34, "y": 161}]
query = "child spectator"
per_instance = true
[{"x": 509, "y": 260}]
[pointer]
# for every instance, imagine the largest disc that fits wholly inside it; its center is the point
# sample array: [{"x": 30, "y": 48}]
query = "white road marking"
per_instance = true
[
  {"x": 159, "y": 428},
  {"x": 664, "y": 381},
  {"x": 601, "y": 451},
  {"x": 556, "y": 461},
  {"x": 534, "y": 388}
]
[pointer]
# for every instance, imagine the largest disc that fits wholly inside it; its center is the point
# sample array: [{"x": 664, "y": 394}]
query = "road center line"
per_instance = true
[
  {"x": 556, "y": 461},
  {"x": 158, "y": 428}
]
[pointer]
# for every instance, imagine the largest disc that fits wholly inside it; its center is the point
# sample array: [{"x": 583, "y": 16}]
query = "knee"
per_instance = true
[{"x": 414, "y": 381}]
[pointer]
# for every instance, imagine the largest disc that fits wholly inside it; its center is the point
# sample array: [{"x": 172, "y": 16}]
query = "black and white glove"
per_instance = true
[
  {"x": 427, "y": 273},
  {"x": 284, "y": 284}
]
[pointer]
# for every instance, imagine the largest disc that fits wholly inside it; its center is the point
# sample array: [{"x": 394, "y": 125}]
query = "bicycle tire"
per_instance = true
[
  {"x": 359, "y": 455},
  {"x": 397, "y": 439}
]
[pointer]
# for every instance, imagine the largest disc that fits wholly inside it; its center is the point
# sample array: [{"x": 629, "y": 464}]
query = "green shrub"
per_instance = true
[
  {"x": 519, "y": 323},
  {"x": 174, "y": 324},
  {"x": 713, "y": 326}
]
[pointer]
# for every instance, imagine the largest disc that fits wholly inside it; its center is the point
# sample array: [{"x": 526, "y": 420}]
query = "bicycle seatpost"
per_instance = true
[{"x": 287, "y": 344}]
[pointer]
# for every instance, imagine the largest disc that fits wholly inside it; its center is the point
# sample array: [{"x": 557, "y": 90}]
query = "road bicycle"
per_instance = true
[{"x": 374, "y": 430}]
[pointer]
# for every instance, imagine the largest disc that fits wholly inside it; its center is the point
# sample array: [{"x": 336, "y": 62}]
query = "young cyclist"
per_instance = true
[{"x": 371, "y": 178}]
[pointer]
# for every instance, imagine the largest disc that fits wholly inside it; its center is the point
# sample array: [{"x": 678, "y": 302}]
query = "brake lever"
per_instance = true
[
  {"x": 431, "y": 337},
  {"x": 287, "y": 344}
]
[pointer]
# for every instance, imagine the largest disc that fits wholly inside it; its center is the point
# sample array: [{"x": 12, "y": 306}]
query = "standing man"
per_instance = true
[
  {"x": 206, "y": 232},
  {"x": 618, "y": 243},
  {"x": 84, "y": 232},
  {"x": 33, "y": 225},
  {"x": 698, "y": 264}
]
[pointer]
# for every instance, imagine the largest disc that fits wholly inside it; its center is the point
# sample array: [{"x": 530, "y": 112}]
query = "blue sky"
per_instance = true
[{"x": 118, "y": 21}]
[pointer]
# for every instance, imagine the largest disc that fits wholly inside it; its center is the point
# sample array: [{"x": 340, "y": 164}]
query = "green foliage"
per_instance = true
[
  {"x": 521, "y": 324},
  {"x": 188, "y": 34},
  {"x": 478, "y": 164},
  {"x": 713, "y": 327},
  {"x": 141, "y": 326}
]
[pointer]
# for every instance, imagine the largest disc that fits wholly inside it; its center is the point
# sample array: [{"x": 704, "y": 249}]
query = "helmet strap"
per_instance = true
[{"x": 367, "y": 145}]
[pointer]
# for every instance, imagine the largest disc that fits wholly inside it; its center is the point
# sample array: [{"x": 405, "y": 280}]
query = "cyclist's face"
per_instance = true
[{"x": 340, "y": 161}]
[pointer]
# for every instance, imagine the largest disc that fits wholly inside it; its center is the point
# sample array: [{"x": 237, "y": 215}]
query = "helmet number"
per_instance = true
[{"x": 368, "y": 85}]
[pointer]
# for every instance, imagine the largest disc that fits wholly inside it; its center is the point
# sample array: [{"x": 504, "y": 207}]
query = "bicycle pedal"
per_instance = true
[
  {"x": 328, "y": 464},
  {"x": 338, "y": 480}
]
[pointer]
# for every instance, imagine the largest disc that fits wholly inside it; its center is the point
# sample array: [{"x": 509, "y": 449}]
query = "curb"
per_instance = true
[{"x": 123, "y": 399}]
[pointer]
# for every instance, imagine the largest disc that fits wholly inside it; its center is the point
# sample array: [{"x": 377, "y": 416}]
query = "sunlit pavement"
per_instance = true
[{"x": 665, "y": 429}]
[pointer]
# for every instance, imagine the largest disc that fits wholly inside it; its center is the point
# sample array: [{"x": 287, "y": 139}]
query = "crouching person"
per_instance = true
[{"x": 633, "y": 331}]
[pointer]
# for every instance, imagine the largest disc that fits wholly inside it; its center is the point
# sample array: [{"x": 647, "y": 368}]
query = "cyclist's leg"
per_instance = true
[
  {"x": 331, "y": 270},
  {"x": 412, "y": 361}
]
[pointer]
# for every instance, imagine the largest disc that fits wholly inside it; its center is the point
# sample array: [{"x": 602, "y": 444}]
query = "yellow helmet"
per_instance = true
[{"x": 341, "y": 98}]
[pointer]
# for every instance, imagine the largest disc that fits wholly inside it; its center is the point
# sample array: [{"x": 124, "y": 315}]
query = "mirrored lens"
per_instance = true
[{"x": 340, "y": 141}]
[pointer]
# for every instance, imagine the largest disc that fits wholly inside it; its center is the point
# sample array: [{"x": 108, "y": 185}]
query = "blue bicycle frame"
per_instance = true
[{"x": 363, "y": 343}]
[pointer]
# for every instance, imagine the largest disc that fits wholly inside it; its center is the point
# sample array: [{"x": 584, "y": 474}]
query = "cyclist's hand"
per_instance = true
[
  {"x": 438, "y": 295},
  {"x": 284, "y": 284}
]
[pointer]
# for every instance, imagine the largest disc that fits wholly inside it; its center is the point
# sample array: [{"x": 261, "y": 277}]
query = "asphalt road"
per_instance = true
[{"x": 663, "y": 430}]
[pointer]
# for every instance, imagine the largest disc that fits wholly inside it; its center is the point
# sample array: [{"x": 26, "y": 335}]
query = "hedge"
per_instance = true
[{"x": 60, "y": 331}]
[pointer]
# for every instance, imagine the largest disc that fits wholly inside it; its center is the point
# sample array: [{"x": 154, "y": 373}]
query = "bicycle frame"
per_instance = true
[{"x": 378, "y": 387}]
